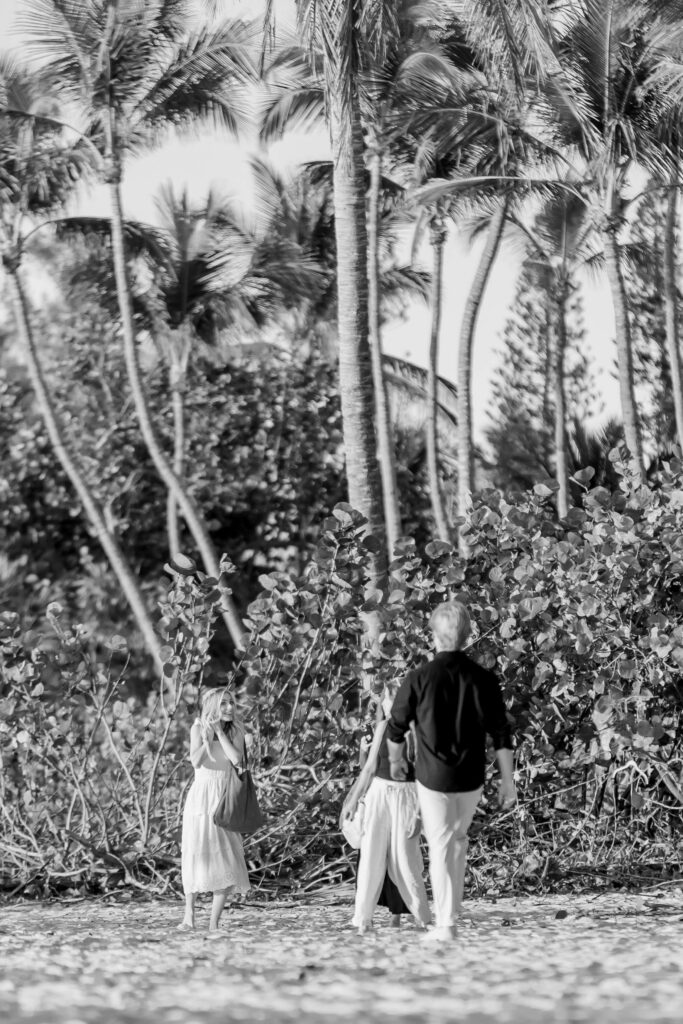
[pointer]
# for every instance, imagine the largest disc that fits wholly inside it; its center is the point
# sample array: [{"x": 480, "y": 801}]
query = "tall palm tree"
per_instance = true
[
  {"x": 562, "y": 243},
  {"x": 470, "y": 120},
  {"x": 437, "y": 240},
  {"x": 38, "y": 171},
  {"x": 667, "y": 35},
  {"x": 212, "y": 271},
  {"x": 612, "y": 96},
  {"x": 134, "y": 71},
  {"x": 344, "y": 35}
]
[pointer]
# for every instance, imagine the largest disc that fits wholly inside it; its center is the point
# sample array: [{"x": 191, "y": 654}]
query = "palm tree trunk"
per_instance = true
[
  {"x": 437, "y": 238},
  {"x": 671, "y": 303},
  {"x": 190, "y": 512},
  {"x": 624, "y": 340},
  {"x": 355, "y": 368},
  {"x": 385, "y": 441},
  {"x": 115, "y": 556},
  {"x": 548, "y": 357},
  {"x": 561, "y": 472},
  {"x": 178, "y": 407},
  {"x": 464, "y": 383}
]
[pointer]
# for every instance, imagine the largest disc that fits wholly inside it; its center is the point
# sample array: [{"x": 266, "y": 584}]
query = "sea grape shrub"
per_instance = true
[
  {"x": 582, "y": 620},
  {"x": 93, "y": 779}
]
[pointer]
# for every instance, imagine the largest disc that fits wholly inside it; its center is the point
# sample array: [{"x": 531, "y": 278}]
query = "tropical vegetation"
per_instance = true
[{"x": 212, "y": 468}]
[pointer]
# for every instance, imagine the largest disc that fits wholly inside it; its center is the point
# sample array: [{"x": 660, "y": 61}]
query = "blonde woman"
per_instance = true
[
  {"x": 212, "y": 859},
  {"x": 390, "y": 843}
]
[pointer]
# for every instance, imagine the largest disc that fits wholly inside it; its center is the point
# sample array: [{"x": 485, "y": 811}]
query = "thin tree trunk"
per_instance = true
[
  {"x": 561, "y": 472},
  {"x": 547, "y": 378},
  {"x": 671, "y": 303},
  {"x": 190, "y": 512},
  {"x": 178, "y": 407},
  {"x": 385, "y": 440},
  {"x": 464, "y": 383},
  {"x": 117, "y": 560},
  {"x": 437, "y": 238},
  {"x": 355, "y": 368},
  {"x": 624, "y": 341}
]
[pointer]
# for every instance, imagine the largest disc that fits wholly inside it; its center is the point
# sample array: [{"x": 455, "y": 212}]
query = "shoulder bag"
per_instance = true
[{"x": 238, "y": 808}]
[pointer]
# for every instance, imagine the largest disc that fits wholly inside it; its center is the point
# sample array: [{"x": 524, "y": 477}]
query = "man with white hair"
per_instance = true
[{"x": 454, "y": 703}]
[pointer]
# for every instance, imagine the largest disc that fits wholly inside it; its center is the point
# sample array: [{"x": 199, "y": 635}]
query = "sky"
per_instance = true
[{"x": 217, "y": 161}]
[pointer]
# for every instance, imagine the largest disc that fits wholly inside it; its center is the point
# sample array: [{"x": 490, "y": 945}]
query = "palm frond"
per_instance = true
[
  {"x": 404, "y": 377},
  {"x": 200, "y": 81},
  {"x": 300, "y": 109}
]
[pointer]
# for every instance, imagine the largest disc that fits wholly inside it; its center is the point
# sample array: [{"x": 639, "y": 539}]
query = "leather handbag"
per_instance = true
[{"x": 238, "y": 808}]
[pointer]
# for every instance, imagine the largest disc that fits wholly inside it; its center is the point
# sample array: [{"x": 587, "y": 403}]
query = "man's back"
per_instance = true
[{"x": 454, "y": 702}]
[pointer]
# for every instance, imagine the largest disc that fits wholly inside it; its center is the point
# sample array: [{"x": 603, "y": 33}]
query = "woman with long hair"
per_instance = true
[
  {"x": 212, "y": 859},
  {"x": 390, "y": 862}
]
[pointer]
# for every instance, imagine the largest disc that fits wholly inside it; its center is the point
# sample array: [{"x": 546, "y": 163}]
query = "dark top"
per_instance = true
[{"x": 454, "y": 703}]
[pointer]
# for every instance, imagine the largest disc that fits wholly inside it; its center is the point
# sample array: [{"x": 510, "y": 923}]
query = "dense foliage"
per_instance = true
[
  {"x": 583, "y": 621},
  {"x": 214, "y": 385}
]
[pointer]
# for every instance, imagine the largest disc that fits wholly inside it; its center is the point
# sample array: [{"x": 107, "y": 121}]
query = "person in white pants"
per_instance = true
[
  {"x": 390, "y": 841},
  {"x": 453, "y": 703}
]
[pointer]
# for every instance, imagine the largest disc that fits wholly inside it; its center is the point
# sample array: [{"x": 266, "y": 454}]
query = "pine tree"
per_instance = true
[{"x": 521, "y": 433}]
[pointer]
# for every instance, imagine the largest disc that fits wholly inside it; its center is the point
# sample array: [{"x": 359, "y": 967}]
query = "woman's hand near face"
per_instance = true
[{"x": 233, "y": 754}]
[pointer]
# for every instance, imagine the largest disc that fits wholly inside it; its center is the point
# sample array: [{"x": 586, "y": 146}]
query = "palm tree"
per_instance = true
[
  {"x": 133, "y": 72},
  {"x": 561, "y": 245},
  {"x": 344, "y": 35},
  {"x": 211, "y": 271},
  {"x": 473, "y": 146},
  {"x": 612, "y": 95},
  {"x": 38, "y": 170},
  {"x": 667, "y": 35},
  {"x": 437, "y": 240}
]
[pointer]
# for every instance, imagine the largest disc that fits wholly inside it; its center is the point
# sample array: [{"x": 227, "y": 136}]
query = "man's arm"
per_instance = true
[
  {"x": 402, "y": 714},
  {"x": 495, "y": 721},
  {"x": 507, "y": 792}
]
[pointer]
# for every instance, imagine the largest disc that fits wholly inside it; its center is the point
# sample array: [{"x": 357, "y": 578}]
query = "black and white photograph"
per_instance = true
[{"x": 341, "y": 511}]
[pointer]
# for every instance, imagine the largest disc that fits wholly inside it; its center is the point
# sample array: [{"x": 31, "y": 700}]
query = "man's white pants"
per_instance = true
[{"x": 446, "y": 818}]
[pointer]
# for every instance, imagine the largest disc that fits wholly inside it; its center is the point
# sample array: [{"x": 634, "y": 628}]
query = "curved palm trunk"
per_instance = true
[
  {"x": 624, "y": 342},
  {"x": 115, "y": 556},
  {"x": 385, "y": 441},
  {"x": 671, "y": 303},
  {"x": 189, "y": 510},
  {"x": 355, "y": 369},
  {"x": 467, "y": 334},
  {"x": 437, "y": 238},
  {"x": 560, "y": 432}
]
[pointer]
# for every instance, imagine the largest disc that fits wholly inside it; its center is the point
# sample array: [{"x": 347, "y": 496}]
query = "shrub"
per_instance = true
[{"x": 582, "y": 620}]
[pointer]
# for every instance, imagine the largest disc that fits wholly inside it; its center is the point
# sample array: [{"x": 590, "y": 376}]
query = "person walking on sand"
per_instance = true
[
  {"x": 390, "y": 862},
  {"x": 212, "y": 859},
  {"x": 453, "y": 703}
]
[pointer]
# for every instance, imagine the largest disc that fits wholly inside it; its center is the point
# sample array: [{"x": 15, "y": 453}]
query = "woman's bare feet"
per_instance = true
[
  {"x": 446, "y": 934},
  {"x": 185, "y": 926}
]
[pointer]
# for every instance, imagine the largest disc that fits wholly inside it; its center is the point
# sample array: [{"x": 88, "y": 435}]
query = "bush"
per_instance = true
[{"x": 582, "y": 620}]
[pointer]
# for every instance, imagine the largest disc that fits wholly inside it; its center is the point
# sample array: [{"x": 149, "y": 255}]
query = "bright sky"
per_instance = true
[{"x": 220, "y": 162}]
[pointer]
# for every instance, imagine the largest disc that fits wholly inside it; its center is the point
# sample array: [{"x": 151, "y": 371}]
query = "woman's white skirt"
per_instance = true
[{"x": 212, "y": 859}]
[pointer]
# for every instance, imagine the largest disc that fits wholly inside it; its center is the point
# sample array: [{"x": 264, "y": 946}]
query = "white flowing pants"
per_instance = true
[
  {"x": 388, "y": 844},
  {"x": 446, "y": 817}
]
